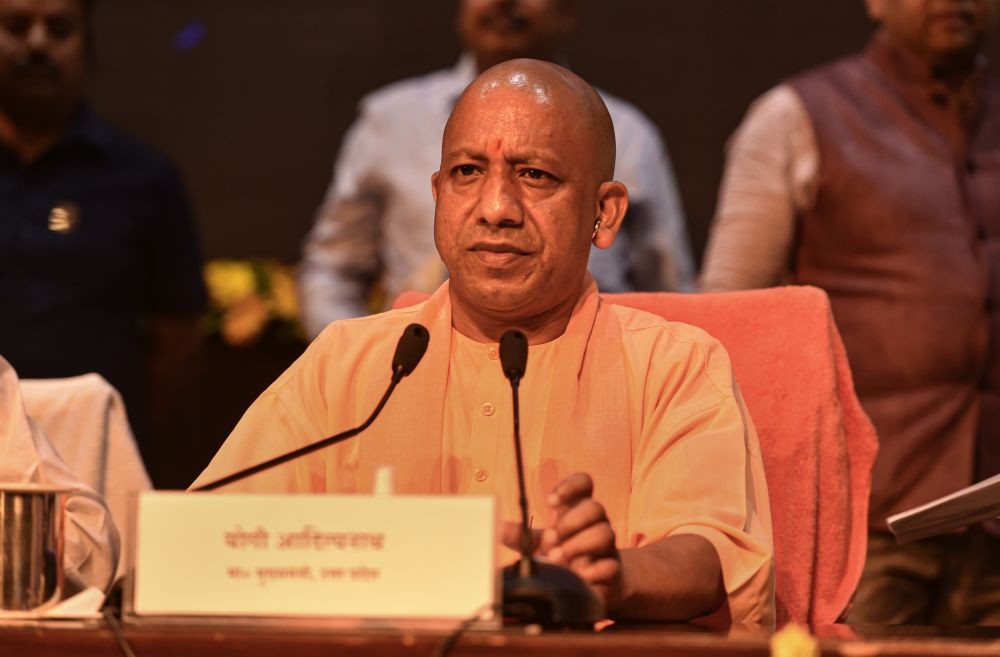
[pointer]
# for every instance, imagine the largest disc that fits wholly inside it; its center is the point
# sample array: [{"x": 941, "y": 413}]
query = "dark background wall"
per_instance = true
[{"x": 252, "y": 97}]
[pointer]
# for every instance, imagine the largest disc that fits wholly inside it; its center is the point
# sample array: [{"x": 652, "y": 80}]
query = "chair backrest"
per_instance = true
[
  {"x": 84, "y": 419},
  {"x": 818, "y": 444}
]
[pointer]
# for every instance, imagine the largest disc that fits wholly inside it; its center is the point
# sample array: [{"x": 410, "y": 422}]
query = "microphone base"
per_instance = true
[{"x": 551, "y": 596}]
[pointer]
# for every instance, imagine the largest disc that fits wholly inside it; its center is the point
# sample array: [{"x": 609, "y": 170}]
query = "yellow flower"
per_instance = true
[
  {"x": 284, "y": 298},
  {"x": 794, "y": 641},
  {"x": 243, "y": 322},
  {"x": 229, "y": 281}
]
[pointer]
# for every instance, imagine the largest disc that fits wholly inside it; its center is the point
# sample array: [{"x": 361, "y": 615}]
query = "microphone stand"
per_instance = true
[
  {"x": 525, "y": 564},
  {"x": 533, "y": 591},
  {"x": 306, "y": 449},
  {"x": 409, "y": 350}
]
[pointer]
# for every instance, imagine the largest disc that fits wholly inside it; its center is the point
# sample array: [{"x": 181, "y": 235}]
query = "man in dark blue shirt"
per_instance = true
[{"x": 98, "y": 251}]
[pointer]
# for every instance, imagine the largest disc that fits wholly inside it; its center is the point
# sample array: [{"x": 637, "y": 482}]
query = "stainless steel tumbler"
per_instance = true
[{"x": 31, "y": 547}]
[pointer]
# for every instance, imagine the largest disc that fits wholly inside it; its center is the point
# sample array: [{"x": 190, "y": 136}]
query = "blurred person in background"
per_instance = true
[
  {"x": 99, "y": 259},
  {"x": 372, "y": 236},
  {"x": 877, "y": 178}
]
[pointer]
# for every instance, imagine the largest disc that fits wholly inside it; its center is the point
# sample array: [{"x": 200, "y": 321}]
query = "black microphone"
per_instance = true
[
  {"x": 514, "y": 361},
  {"x": 513, "y": 356},
  {"x": 409, "y": 350},
  {"x": 536, "y": 592}
]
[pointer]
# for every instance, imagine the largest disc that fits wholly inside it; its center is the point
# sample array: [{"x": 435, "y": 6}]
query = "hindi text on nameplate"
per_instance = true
[{"x": 345, "y": 556}]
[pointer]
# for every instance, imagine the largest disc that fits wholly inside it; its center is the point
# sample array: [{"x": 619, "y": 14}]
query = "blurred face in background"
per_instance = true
[
  {"x": 42, "y": 60},
  {"x": 498, "y": 30},
  {"x": 941, "y": 32}
]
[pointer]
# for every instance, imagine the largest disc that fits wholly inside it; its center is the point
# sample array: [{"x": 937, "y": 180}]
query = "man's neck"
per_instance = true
[
  {"x": 951, "y": 69},
  {"x": 954, "y": 71},
  {"x": 28, "y": 142},
  {"x": 487, "y": 327}
]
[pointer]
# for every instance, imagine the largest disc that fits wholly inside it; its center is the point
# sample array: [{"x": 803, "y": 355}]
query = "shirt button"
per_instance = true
[
  {"x": 494, "y": 353},
  {"x": 481, "y": 475},
  {"x": 488, "y": 409}
]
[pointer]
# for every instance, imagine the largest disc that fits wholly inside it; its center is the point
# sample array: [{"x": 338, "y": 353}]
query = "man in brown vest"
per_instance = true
[{"x": 877, "y": 178}]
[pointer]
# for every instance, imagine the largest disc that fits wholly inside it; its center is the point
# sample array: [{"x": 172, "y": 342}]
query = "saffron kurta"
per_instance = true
[{"x": 647, "y": 407}]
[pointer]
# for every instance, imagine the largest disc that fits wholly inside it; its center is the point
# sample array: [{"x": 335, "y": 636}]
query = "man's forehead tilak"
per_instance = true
[{"x": 503, "y": 114}]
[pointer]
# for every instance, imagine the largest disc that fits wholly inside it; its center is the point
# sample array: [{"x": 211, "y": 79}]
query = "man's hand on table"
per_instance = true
[
  {"x": 678, "y": 577},
  {"x": 580, "y": 536}
]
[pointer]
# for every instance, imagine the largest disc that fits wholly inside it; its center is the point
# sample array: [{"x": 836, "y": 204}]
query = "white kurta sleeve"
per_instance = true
[{"x": 769, "y": 179}]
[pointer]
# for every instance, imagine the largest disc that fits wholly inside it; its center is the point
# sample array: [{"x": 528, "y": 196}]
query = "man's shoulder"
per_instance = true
[
  {"x": 664, "y": 349},
  {"x": 828, "y": 70},
  {"x": 366, "y": 331},
  {"x": 349, "y": 348},
  {"x": 125, "y": 149},
  {"x": 653, "y": 332},
  {"x": 416, "y": 91},
  {"x": 776, "y": 109},
  {"x": 635, "y": 321}
]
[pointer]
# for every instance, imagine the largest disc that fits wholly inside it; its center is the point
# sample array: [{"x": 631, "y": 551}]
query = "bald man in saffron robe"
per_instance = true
[{"x": 643, "y": 468}]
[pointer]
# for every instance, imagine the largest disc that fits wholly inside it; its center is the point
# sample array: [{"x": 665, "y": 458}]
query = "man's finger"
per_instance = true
[
  {"x": 571, "y": 490},
  {"x": 572, "y": 520},
  {"x": 592, "y": 543},
  {"x": 510, "y": 535}
]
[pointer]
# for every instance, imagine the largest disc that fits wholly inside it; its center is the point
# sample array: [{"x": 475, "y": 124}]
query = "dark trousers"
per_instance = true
[{"x": 943, "y": 580}]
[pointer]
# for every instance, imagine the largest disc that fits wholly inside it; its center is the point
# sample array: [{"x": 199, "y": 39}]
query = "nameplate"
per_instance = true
[{"x": 349, "y": 556}]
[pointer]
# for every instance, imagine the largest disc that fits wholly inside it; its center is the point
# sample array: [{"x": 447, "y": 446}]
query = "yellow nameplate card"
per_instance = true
[{"x": 346, "y": 556}]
